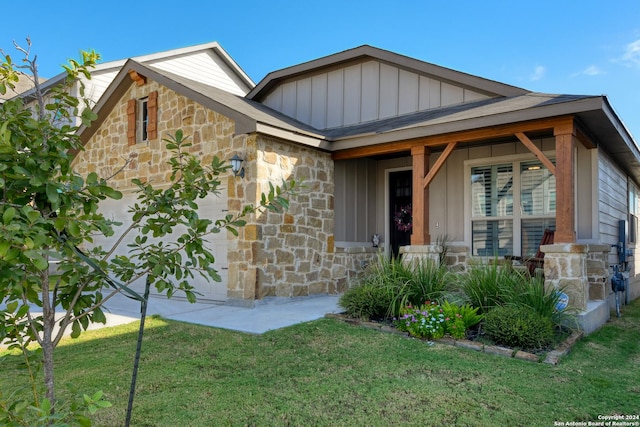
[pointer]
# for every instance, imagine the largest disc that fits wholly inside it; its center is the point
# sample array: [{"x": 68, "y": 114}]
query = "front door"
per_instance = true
[{"x": 400, "y": 216}]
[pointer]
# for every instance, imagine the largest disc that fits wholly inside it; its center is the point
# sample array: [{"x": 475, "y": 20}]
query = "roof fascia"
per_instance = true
[
  {"x": 421, "y": 131},
  {"x": 319, "y": 143}
]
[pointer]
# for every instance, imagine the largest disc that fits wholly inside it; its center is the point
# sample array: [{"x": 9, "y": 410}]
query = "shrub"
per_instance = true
[
  {"x": 367, "y": 300},
  {"x": 461, "y": 318},
  {"x": 518, "y": 327}
]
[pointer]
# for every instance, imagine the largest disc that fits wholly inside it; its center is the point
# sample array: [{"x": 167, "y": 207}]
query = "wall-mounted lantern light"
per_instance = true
[{"x": 236, "y": 166}]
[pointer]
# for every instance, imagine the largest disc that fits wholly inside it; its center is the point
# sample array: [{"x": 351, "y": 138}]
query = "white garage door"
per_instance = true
[{"x": 212, "y": 207}]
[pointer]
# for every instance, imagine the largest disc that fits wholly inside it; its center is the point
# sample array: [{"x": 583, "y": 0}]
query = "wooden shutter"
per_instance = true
[
  {"x": 131, "y": 121},
  {"x": 152, "y": 112}
]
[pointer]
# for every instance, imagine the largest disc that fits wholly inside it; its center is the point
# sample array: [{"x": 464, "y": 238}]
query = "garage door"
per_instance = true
[{"x": 212, "y": 207}]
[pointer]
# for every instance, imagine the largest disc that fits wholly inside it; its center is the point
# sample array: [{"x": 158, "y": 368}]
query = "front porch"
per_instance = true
[{"x": 580, "y": 269}]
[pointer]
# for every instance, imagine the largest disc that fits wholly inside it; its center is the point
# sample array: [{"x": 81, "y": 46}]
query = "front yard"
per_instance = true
[{"x": 330, "y": 373}]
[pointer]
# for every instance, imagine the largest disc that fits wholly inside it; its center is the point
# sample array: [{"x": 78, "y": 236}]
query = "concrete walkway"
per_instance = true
[{"x": 268, "y": 314}]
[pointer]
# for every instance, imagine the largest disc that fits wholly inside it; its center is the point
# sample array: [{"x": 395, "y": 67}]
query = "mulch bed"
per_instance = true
[{"x": 551, "y": 357}]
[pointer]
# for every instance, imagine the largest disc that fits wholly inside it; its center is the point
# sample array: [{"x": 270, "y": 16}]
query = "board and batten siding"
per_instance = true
[
  {"x": 355, "y": 201},
  {"x": 612, "y": 198},
  {"x": 362, "y": 93}
]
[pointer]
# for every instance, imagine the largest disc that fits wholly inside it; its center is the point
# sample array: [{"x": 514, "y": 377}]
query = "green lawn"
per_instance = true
[{"x": 330, "y": 373}]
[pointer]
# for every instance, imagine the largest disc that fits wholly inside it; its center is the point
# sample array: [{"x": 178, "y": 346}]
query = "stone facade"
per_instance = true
[
  {"x": 598, "y": 272},
  {"x": 107, "y": 151},
  {"x": 456, "y": 258},
  {"x": 349, "y": 263},
  {"x": 565, "y": 268},
  {"x": 283, "y": 254},
  {"x": 416, "y": 253}
]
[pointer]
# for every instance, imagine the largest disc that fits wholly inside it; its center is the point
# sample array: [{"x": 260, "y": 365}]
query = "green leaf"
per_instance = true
[
  {"x": 8, "y": 215},
  {"x": 75, "y": 329},
  {"x": 111, "y": 193},
  {"x": 52, "y": 194},
  {"x": 4, "y": 248},
  {"x": 73, "y": 229}
]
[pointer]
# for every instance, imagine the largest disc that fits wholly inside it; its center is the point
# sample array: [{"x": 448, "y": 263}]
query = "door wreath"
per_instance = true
[{"x": 402, "y": 218}]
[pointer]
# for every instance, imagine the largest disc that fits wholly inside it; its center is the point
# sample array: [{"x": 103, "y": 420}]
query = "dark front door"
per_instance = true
[{"x": 400, "y": 215}]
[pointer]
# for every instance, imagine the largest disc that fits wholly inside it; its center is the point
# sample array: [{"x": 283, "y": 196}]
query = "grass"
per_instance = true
[{"x": 328, "y": 373}]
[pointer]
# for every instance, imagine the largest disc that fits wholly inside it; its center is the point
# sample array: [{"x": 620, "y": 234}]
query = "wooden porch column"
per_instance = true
[
  {"x": 420, "y": 197},
  {"x": 565, "y": 183}
]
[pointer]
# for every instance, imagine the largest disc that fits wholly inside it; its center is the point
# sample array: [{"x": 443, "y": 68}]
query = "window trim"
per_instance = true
[
  {"x": 515, "y": 160},
  {"x": 135, "y": 128}
]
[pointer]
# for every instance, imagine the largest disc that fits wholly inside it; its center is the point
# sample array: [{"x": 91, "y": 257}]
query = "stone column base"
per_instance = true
[
  {"x": 565, "y": 269},
  {"x": 418, "y": 253}
]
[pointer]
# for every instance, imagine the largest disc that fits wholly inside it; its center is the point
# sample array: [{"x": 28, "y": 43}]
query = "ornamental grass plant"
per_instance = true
[{"x": 390, "y": 284}]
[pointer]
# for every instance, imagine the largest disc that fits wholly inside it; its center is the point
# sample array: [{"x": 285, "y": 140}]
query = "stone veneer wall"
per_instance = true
[
  {"x": 598, "y": 272},
  {"x": 210, "y": 133},
  {"x": 277, "y": 254},
  {"x": 284, "y": 254},
  {"x": 456, "y": 258},
  {"x": 349, "y": 263}
]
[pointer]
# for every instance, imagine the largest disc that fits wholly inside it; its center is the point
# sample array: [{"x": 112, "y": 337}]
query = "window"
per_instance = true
[
  {"x": 142, "y": 118},
  {"x": 510, "y": 211}
]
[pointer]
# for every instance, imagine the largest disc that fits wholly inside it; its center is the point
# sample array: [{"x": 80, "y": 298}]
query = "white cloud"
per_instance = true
[
  {"x": 632, "y": 53},
  {"x": 538, "y": 73},
  {"x": 591, "y": 70}
]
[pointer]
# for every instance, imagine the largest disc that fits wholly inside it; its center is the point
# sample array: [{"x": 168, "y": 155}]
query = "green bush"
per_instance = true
[
  {"x": 367, "y": 300},
  {"x": 518, "y": 327},
  {"x": 467, "y": 314}
]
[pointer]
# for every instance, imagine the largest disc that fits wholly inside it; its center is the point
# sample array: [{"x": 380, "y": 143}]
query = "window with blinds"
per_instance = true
[
  {"x": 492, "y": 210},
  {"x": 495, "y": 192},
  {"x": 537, "y": 205}
]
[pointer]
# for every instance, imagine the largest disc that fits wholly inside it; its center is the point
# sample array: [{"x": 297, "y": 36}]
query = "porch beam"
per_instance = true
[
  {"x": 474, "y": 135},
  {"x": 420, "y": 197},
  {"x": 438, "y": 164},
  {"x": 565, "y": 184},
  {"x": 537, "y": 152}
]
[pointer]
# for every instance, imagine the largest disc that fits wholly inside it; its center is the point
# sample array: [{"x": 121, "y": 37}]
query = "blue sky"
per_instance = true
[{"x": 590, "y": 47}]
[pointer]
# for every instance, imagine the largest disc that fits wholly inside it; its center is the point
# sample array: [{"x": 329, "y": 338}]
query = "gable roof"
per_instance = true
[
  {"x": 112, "y": 66},
  {"x": 515, "y": 105},
  {"x": 249, "y": 116},
  {"x": 365, "y": 51}
]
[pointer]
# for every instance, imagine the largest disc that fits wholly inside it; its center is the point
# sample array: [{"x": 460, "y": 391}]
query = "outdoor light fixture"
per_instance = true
[{"x": 236, "y": 166}]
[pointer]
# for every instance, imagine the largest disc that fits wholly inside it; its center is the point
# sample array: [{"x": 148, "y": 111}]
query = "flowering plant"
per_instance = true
[
  {"x": 426, "y": 321},
  {"x": 433, "y": 321},
  {"x": 403, "y": 219}
]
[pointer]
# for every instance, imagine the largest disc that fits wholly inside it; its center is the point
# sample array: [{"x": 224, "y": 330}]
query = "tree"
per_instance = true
[{"x": 48, "y": 213}]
